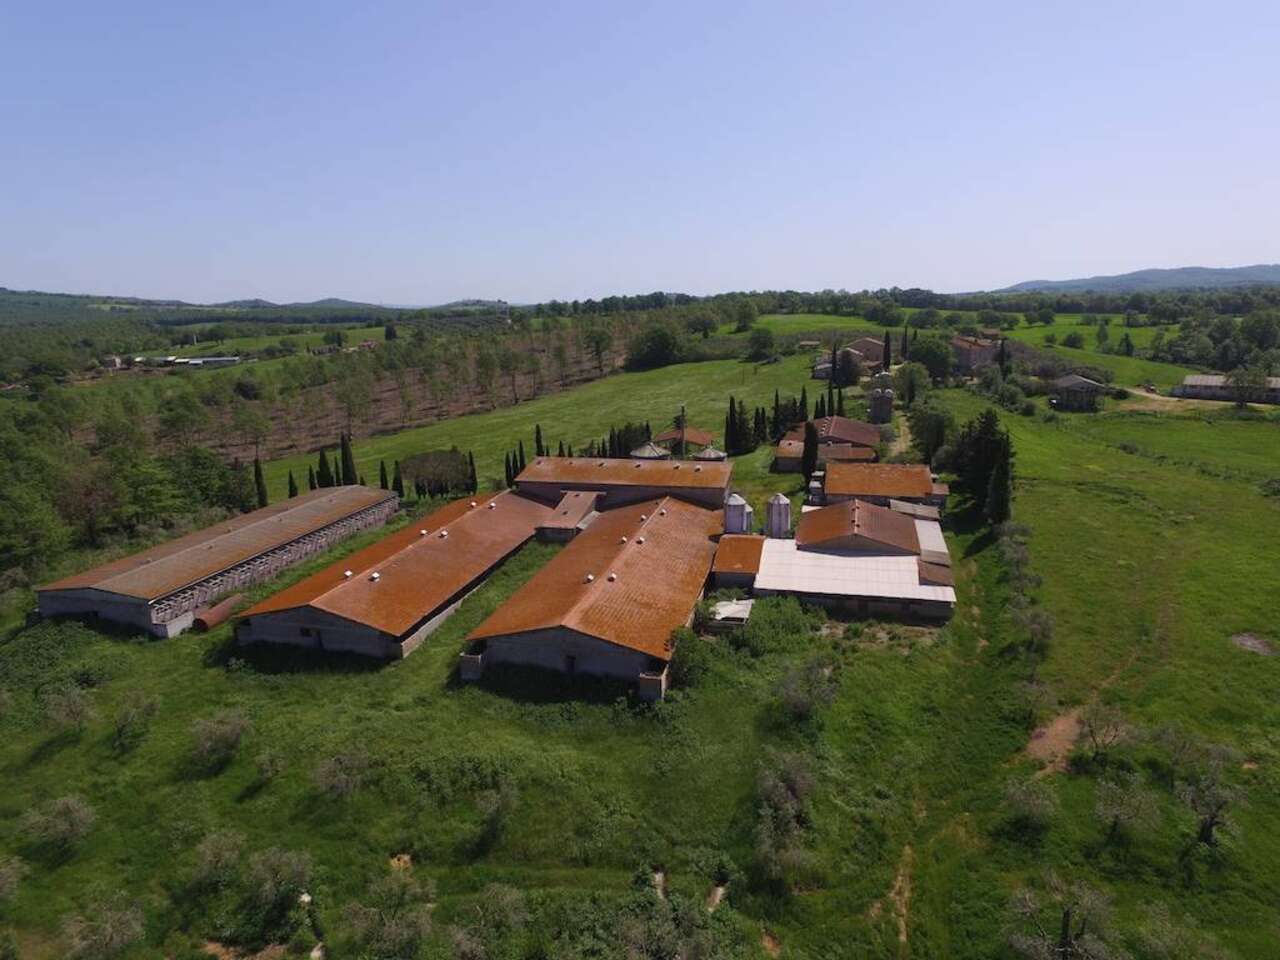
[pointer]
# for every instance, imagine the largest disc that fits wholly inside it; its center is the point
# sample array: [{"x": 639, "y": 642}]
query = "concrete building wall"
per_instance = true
[
  {"x": 567, "y": 651},
  {"x": 314, "y": 629},
  {"x": 873, "y": 606},
  {"x": 128, "y": 611}
]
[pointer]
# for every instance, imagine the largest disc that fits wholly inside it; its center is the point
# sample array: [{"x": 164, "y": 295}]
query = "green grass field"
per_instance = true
[
  {"x": 240, "y": 345},
  {"x": 1153, "y": 540}
]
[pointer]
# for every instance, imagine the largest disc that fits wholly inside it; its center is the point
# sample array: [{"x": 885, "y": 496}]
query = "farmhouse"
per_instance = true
[
  {"x": 870, "y": 349},
  {"x": 681, "y": 438},
  {"x": 164, "y": 589},
  {"x": 623, "y": 481},
  {"x": 878, "y": 483},
  {"x": 607, "y": 604},
  {"x": 1205, "y": 386},
  {"x": 856, "y": 556},
  {"x": 1074, "y": 392},
  {"x": 972, "y": 353},
  {"x": 384, "y": 600},
  {"x": 839, "y": 440}
]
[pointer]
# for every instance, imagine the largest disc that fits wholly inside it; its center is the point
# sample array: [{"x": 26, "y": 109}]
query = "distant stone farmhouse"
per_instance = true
[{"x": 1204, "y": 386}]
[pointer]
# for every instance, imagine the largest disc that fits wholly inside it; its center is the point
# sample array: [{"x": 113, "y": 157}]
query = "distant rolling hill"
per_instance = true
[{"x": 1153, "y": 281}]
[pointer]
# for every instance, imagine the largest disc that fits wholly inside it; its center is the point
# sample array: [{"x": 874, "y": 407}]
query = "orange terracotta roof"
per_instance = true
[
  {"x": 856, "y": 525},
  {"x": 657, "y": 553},
  {"x": 605, "y": 472},
  {"x": 843, "y": 452},
  {"x": 789, "y": 449},
  {"x": 935, "y": 574},
  {"x": 837, "y": 429},
  {"x": 901, "y": 480},
  {"x": 169, "y": 567},
  {"x": 571, "y": 509},
  {"x": 417, "y": 574},
  {"x": 738, "y": 553},
  {"x": 694, "y": 435}
]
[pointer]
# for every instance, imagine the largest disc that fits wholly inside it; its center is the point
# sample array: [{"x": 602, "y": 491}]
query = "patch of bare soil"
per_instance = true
[
  {"x": 1140, "y": 399},
  {"x": 275, "y": 951},
  {"x": 772, "y": 946},
  {"x": 716, "y": 897},
  {"x": 900, "y": 895},
  {"x": 660, "y": 883},
  {"x": 1052, "y": 744},
  {"x": 401, "y": 861},
  {"x": 1254, "y": 644},
  {"x": 1249, "y": 765}
]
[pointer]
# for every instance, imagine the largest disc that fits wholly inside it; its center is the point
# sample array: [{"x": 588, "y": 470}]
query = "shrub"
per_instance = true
[
  {"x": 216, "y": 739},
  {"x": 1271, "y": 488},
  {"x": 806, "y": 689},
  {"x": 276, "y": 877},
  {"x": 218, "y": 860},
  {"x": 1074, "y": 339},
  {"x": 783, "y": 789},
  {"x": 69, "y": 708},
  {"x": 61, "y": 823},
  {"x": 342, "y": 774},
  {"x": 1120, "y": 393},
  {"x": 776, "y": 622},
  {"x": 1031, "y": 804},
  {"x": 106, "y": 930},
  {"x": 12, "y": 870},
  {"x": 1028, "y": 408},
  {"x": 269, "y": 765},
  {"x": 132, "y": 722},
  {"x": 691, "y": 659},
  {"x": 395, "y": 918}
]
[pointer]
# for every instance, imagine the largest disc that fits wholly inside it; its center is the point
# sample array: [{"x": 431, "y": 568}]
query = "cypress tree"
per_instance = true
[
  {"x": 521, "y": 470},
  {"x": 349, "y": 474},
  {"x": 506, "y": 468},
  {"x": 804, "y": 404},
  {"x": 1000, "y": 490},
  {"x": 472, "y": 480},
  {"x": 840, "y": 404},
  {"x": 613, "y": 442},
  {"x": 397, "y": 481},
  {"x": 259, "y": 483},
  {"x": 831, "y": 380},
  {"x": 888, "y": 350},
  {"x": 382, "y": 475},
  {"x": 904, "y": 348},
  {"x": 537, "y": 441},
  {"x": 820, "y": 408},
  {"x": 779, "y": 428},
  {"x": 324, "y": 476},
  {"x": 809, "y": 455},
  {"x": 311, "y": 478},
  {"x": 648, "y": 434},
  {"x": 293, "y": 486},
  {"x": 731, "y": 429},
  {"x": 560, "y": 451}
]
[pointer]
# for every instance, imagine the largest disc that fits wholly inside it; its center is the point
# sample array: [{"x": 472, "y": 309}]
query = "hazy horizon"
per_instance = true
[{"x": 431, "y": 154}]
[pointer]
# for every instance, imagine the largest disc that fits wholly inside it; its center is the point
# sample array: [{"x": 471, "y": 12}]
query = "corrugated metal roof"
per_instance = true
[
  {"x": 856, "y": 525},
  {"x": 695, "y": 435},
  {"x": 629, "y": 579},
  {"x": 901, "y": 480},
  {"x": 738, "y": 553},
  {"x": 417, "y": 573},
  {"x": 674, "y": 474},
  {"x": 571, "y": 510},
  {"x": 651, "y": 451},
  {"x": 785, "y": 568},
  {"x": 935, "y": 574},
  {"x": 921, "y": 510},
  {"x": 169, "y": 567}
]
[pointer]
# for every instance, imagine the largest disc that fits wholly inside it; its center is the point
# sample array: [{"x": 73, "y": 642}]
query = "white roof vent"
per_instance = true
[
  {"x": 346, "y": 573},
  {"x": 623, "y": 540},
  {"x": 697, "y": 469},
  {"x": 443, "y": 534},
  {"x": 589, "y": 578},
  {"x": 375, "y": 576},
  {"x": 644, "y": 516},
  {"x": 612, "y": 577},
  {"x": 639, "y": 539},
  {"x": 662, "y": 512},
  {"x": 492, "y": 504},
  {"x": 473, "y": 503},
  {"x": 637, "y": 466},
  {"x": 422, "y": 532}
]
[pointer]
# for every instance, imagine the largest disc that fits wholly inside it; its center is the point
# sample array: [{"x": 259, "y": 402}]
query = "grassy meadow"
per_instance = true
[{"x": 1153, "y": 540}]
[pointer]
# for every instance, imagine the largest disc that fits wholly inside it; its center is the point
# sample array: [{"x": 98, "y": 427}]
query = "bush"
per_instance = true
[
  {"x": 691, "y": 658},
  {"x": 1270, "y": 488},
  {"x": 1074, "y": 340},
  {"x": 760, "y": 344},
  {"x": 342, "y": 774},
  {"x": 1028, "y": 408},
  {"x": 12, "y": 870},
  {"x": 69, "y": 708},
  {"x": 106, "y": 930},
  {"x": 218, "y": 860},
  {"x": 216, "y": 739},
  {"x": 1031, "y": 804},
  {"x": 394, "y": 919},
  {"x": 776, "y": 623},
  {"x": 61, "y": 823},
  {"x": 806, "y": 689},
  {"x": 132, "y": 722}
]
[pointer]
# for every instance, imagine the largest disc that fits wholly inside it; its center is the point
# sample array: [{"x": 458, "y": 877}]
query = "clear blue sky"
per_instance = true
[{"x": 419, "y": 152}]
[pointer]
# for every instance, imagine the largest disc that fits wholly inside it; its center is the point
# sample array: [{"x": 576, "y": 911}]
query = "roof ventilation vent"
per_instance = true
[
  {"x": 677, "y": 466},
  {"x": 346, "y": 573},
  {"x": 623, "y": 540},
  {"x": 473, "y": 503},
  {"x": 422, "y": 533},
  {"x": 375, "y": 576},
  {"x": 492, "y": 504},
  {"x": 697, "y": 469},
  {"x": 589, "y": 578},
  {"x": 443, "y": 534},
  {"x": 639, "y": 539},
  {"x": 662, "y": 512},
  {"x": 644, "y": 516},
  {"x": 600, "y": 464},
  {"x": 613, "y": 577},
  {"x": 637, "y": 466}
]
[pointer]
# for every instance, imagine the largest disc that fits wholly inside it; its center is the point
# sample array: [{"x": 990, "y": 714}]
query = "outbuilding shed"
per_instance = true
[
  {"x": 160, "y": 590},
  {"x": 624, "y": 481},
  {"x": 608, "y": 603},
  {"x": 384, "y": 600}
]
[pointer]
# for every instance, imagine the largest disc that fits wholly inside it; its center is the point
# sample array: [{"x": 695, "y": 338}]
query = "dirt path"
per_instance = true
[
  {"x": 902, "y": 442},
  {"x": 900, "y": 895},
  {"x": 660, "y": 883},
  {"x": 1051, "y": 744},
  {"x": 772, "y": 946}
]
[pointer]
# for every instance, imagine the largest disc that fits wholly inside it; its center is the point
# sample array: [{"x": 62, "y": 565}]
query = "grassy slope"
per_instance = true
[
  {"x": 578, "y": 415},
  {"x": 1149, "y": 566}
]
